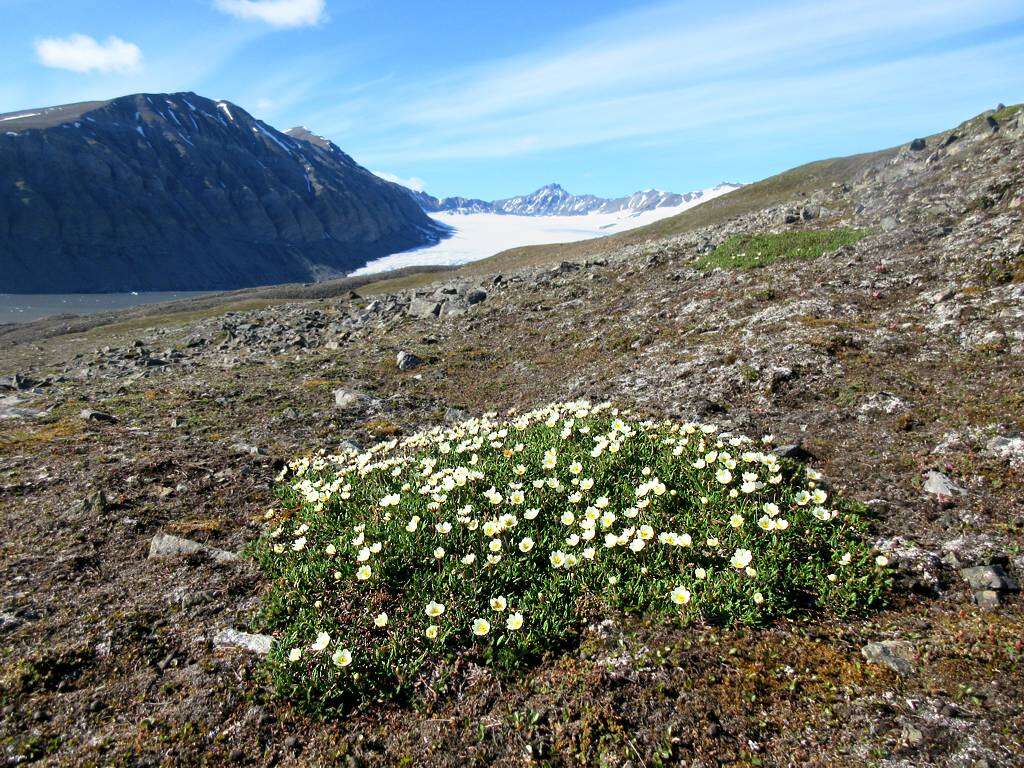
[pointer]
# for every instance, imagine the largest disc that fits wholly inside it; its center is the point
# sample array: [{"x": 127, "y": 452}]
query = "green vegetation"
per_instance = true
[
  {"x": 752, "y": 251},
  {"x": 498, "y": 541},
  {"x": 1007, "y": 112}
]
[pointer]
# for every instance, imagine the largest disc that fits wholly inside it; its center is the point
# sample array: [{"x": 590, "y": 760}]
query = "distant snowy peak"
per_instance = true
[{"x": 554, "y": 200}]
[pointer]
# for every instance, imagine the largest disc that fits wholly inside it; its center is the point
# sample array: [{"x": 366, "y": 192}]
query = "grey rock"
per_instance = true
[
  {"x": 407, "y": 361},
  {"x": 898, "y": 655},
  {"x": 424, "y": 308},
  {"x": 1007, "y": 447},
  {"x": 455, "y": 415},
  {"x": 794, "y": 451},
  {"x": 917, "y": 145},
  {"x": 169, "y": 545},
  {"x": 987, "y": 599},
  {"x": 937, "y": 484},
  {"x": 346, "y": 398},
  {"x": 476, "y": 296},
  {"x": 96, "y": 502},
  {"x": 989, "y": 577},
  {"x": 88, "y": 414},
  {"x": 17, "y": 382},
  {"x": 245, "y": 449},
  {"x": 258, "y": 644}
]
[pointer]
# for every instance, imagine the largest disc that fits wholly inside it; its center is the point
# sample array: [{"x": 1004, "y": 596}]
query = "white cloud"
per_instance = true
[
  {"x": 81, "y": 53},
  {"x": 412, "y": 183},
  {"x": 679, "y": 68},
  {"x": 278, "y": 13}
]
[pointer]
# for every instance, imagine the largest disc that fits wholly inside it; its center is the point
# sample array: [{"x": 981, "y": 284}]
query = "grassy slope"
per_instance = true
[{"x": 754, "y": 197}]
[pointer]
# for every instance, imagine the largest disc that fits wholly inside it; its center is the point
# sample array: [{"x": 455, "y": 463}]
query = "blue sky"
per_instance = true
[{"x": 490, "y": 99}]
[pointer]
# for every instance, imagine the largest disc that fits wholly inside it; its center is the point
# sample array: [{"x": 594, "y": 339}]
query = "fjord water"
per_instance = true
[{"x": 24, "y": 308}]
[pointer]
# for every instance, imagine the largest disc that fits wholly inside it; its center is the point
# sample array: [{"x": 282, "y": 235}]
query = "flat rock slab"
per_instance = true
[
  {"x": 169, "y": 545},
  {"x": 232, "y": 638},
  {"x": 897, "y": 655}
]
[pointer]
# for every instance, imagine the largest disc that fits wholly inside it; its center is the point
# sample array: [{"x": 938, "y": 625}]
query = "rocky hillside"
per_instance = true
[
  {"x": 867, "y": 312},
  {"x": 554, "y": 200},
  {"x": 178, "y": 192}
]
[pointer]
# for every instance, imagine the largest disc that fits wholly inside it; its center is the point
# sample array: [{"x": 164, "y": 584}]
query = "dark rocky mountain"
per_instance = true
[
  {"x": 554, "y": 200},
  {"x": 178, "y": 192}
]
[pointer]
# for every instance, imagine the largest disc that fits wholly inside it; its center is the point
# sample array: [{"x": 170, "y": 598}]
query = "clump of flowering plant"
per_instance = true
[{"x": 499, "y": 538}]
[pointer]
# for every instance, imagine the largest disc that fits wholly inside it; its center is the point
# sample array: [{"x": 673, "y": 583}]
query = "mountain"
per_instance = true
[
  {"x": 178, "y": 192},
  {"x": 554, "y": 200}
]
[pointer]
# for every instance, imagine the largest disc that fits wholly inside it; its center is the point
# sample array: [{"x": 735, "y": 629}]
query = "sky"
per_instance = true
[{"x": 490, "y": 100}]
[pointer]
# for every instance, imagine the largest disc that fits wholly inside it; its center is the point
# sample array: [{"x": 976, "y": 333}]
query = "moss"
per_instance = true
[{"x": 753, "y": 251}]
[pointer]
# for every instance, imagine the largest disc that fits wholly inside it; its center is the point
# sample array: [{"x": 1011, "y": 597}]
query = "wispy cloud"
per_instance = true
[
  {"x": 81, "y": 53},
  {"x": 411, "y": 183},
  {"x": 278, "y": 13},
  {"x": 668, "y": 69}
]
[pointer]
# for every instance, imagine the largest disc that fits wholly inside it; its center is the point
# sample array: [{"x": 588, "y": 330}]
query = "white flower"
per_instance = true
[
  {"x": 567, "y": 518},
  {"x": 881, "y": 561},
  {"x": 736, "y": 521},
  {"x": 322, "y": 641},
  {"x": 741, "y": 559},
  {"x": 433, "y": 610},
  {"x": 363, "y": 573},
  {"x": 770, "y": 509},
  {"x": 294, "y": 654},
  {"x": 439, "y": 553},
  {"x": 819, "y": 496},
  {"x": 342, "y": 657},
  {"x": 514, "y": 621},
  {"x": 469, "y": 559},
  {"x": 363, "y": 555},
  {"x": 557, "y": 559},
  {"x": 431, "y": 632},
  {"x": 526, "y": 544},
  {"x": 802, "y": 497},
  {"x": 637, "y": 544},
  {"x": 550, "y": 459},
  {"x": 498, "y": 603},
  {"x": 481, "y": 627},
  {"x": 724, "y": 476},
  {"x": 700, "y": 573},
  {"x": 680, "y": 595},
  {"x": 576, "y": 468},
  {"x": 758, "y": 598},
  {"x": 299, "y": 544},
  {"x": 494, "y": 545},
  {"x": 331, "y": 550},
  {"x": 530, "y": 514},
  {"x": 381, "y": 620}
]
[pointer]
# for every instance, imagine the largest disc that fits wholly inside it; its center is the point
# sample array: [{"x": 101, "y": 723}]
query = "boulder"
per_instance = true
[{"x": 897, "y": 655}]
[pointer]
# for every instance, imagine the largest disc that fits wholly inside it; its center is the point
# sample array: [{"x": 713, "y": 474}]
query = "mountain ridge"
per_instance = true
[
  {"x": 554, "y": 200},
  {"x": 180, "y": 192}
]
